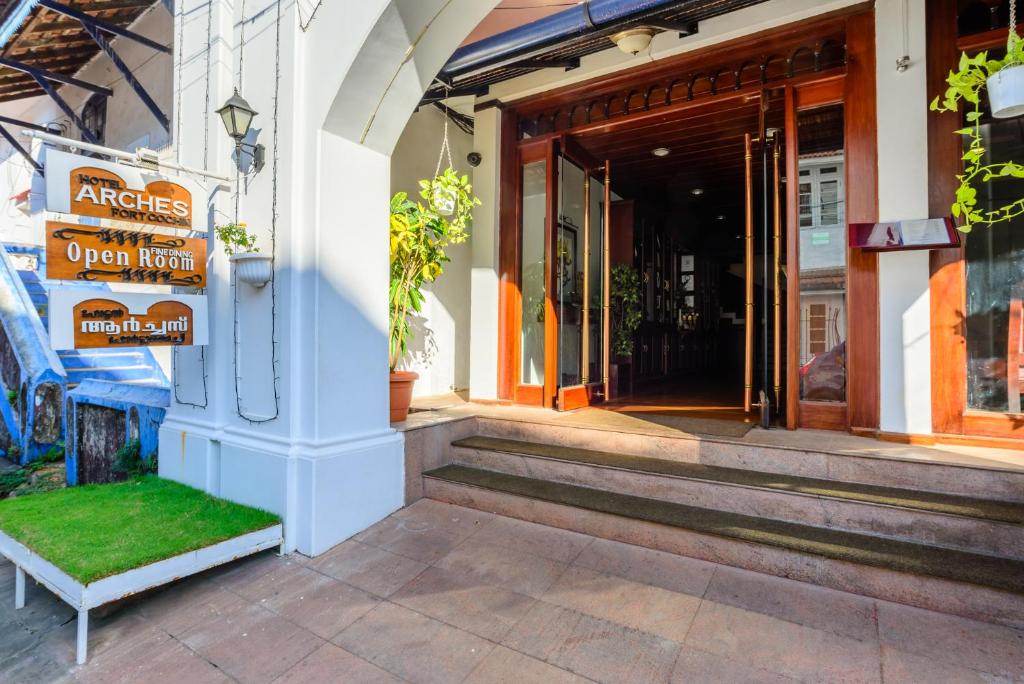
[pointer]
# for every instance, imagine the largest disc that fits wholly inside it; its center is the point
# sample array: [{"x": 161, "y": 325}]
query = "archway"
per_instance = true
[{"x": 347, "y": 80}]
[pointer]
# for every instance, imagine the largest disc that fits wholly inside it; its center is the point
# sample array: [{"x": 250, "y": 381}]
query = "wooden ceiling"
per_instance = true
[
  {"x": 49, "y": 40},
  {"x": 706, "y": 150}
]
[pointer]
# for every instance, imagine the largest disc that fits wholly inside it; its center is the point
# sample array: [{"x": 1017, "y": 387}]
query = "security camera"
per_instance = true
[{"x": 474, "y": 159}]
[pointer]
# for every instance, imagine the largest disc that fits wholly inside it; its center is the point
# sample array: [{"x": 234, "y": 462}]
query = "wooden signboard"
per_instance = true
[
  {"x": 91, "y": 320},
  {"x": 92, "y": 187},
  {"x": 77, "y": 252}
]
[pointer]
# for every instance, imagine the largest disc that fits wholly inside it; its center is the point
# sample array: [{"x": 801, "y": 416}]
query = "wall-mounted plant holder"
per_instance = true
[{"x": 253, "y": 268}]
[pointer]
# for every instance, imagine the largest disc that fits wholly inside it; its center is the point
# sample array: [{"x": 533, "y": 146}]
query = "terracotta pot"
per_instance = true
[{"x": 401, "y": 394}]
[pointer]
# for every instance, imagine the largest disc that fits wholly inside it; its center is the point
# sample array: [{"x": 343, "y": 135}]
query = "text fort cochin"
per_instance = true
[{"x": 132, "y": 205}]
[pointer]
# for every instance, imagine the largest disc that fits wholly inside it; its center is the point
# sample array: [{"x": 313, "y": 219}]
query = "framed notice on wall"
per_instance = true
[
  {"x": 901, "y": 235},
  {"x": 92, "y": 187},
  {"x": 88, "y": 319}
]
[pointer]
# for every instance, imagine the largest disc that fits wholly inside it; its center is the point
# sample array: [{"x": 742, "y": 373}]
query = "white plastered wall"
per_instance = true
[
  {"x": 904, "y": 307},
  {"x": 439, "y": 350}
]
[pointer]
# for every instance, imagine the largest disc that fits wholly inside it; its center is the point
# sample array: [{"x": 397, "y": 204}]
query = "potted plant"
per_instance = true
[
  {"x": 626, "y": 317},
  {"x": 421, "y": 232},
  {"x": 240, "y": 245},
  {"x": 1004, "y": 79}
]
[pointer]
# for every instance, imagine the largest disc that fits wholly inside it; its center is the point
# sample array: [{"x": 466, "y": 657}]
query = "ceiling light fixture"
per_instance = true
[
  {"x": 660, "y": 151},
  {"x": 697, "y": 192},
  {"x": 720, "y": 217},
  {"x": 635, "y": 40}
]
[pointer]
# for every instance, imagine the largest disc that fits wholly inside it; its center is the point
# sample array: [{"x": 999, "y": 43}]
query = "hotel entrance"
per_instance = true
[{"x": 675, "y": 241}]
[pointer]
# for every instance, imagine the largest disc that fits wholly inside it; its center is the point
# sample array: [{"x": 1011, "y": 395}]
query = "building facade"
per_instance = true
[{"x": 287, "y": 407}]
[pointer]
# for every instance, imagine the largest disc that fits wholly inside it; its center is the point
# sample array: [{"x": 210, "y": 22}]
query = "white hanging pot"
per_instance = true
[
  {"x": 1006, "y": 92},
  {"x": 253, "y": 268},
  {"x": 444, "y": 200}
]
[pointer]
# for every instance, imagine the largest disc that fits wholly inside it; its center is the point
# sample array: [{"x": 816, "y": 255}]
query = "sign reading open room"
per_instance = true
[
  {"x": 91, "y": 187},
  {"x": 82, "y": 319},
  {"x": 77, "y": 252}
]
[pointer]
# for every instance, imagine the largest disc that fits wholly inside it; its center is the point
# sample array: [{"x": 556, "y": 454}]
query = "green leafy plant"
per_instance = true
[
  {"x": 968, "y": 84},
  {"x": 625, "y": 305},
  {"x": 420, "y": 236},
  {"x": 12, "y": 397},
  {"x": 236, "y": 238},
  {"x": 128, "y": 461}
]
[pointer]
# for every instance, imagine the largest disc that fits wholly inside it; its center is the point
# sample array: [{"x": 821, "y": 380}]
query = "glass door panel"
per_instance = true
[
  {"x": 531, "y": 276},
  {"x": 822, "y": 274},
  {"x": 594, "y": 362},
  {"x": 571, "y": 262},
  {"x": 579, "y": 298}
]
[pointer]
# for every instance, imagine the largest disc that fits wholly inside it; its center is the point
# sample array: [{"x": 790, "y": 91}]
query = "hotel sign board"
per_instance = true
[
  {"x": 87, "y": 319},
  {"x": 101, "y": 189},
  {"x": 79, "y": 252}
]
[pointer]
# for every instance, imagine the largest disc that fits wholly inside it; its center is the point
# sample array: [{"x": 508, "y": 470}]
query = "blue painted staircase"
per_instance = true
[
  {"x": 38, "y": 372},
  {"x": 134, "y": 366}
]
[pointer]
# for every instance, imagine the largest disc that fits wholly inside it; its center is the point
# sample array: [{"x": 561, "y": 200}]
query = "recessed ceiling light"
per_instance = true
[
  {"x": 660, "y": 151},
  {"x": 720, "y": 217},
  {"x": 697, "y": 192}
]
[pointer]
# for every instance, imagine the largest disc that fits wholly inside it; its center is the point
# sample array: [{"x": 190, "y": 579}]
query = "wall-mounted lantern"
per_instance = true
[{"x": 237, "y": 116}]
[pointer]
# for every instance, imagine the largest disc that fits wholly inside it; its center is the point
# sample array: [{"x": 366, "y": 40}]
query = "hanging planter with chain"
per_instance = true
[{"x": 1004, "y": 80}]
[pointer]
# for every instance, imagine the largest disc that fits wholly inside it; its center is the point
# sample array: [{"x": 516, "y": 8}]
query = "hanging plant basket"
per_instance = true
[
  {"x": 253, "y": 268},
  {"x": 1006, "y": 92}
]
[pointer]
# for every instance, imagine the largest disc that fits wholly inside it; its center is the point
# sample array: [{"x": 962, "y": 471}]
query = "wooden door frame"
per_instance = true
[
  {"x": 584, "y": 394},
  {"x": 947, "y": 284},
  {"x": 861, "y": 412},
  {"x": 856, "y": 92}
]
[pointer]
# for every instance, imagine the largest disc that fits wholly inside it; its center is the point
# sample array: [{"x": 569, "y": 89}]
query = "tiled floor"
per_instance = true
[{"x": 438, "y": 593}]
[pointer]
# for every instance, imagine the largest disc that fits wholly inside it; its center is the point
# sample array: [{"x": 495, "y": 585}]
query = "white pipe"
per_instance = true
[{"x": 118, "y": 154}]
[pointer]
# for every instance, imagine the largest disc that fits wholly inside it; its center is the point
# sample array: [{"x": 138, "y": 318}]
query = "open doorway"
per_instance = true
[{"x": 697, "y": 215}]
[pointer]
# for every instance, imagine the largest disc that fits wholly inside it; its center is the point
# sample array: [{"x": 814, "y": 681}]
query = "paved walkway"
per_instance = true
[{"x": 438, "y": 593}]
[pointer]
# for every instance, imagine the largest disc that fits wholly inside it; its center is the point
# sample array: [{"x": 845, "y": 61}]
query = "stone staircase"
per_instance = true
[{"x": 937, "y": 535}]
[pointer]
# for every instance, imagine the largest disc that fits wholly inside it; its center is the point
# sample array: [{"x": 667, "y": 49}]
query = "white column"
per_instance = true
[
  {"x": 483, "y": 359},
  {"x": 904, "y": 309}
]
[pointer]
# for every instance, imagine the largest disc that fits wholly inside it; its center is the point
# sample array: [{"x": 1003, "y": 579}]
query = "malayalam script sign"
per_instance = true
[
  {"x": 82, "y": 319},
  {"x": 77, "y": 252},
  {"x": 92, "y": 187}
]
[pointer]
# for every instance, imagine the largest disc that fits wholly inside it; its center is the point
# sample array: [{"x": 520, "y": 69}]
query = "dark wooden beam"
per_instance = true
[
  {"x": 54, "y": 76},
  {"x": 106, "y": 26}
]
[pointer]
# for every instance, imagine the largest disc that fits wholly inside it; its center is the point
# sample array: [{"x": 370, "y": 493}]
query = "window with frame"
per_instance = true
[{"x": 94, "y": 116}]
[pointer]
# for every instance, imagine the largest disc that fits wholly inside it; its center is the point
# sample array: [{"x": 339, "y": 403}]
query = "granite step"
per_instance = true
[
  {"x": 977, "y": 586},
  {"x": 958, "y": 479},
  {"x": 965, "y": 523}
]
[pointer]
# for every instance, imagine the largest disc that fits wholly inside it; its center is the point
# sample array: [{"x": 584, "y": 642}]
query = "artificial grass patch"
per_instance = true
[{"x": 94, "y": 531}]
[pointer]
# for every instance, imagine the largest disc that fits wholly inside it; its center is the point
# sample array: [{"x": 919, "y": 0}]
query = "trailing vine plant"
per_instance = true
[
  {"x": 968, "y": 84},
  {"x": 421, "y": 232}
]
